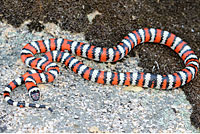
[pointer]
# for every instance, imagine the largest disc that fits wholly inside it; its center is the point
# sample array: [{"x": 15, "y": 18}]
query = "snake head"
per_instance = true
[{"x": 35, "y": 95}]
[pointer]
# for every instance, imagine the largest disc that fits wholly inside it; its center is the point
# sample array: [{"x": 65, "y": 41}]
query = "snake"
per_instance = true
[{"x": 63, "y": 50}]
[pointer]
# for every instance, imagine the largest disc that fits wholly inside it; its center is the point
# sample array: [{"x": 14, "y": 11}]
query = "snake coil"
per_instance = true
[{"x": 46, "y": 71}]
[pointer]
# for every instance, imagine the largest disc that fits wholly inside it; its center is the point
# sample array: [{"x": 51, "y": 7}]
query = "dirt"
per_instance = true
[{"x": 116, "y": 20}]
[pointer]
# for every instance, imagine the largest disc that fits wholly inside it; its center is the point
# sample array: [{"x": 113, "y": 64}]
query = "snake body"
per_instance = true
[{"x": 45, "y": 70}]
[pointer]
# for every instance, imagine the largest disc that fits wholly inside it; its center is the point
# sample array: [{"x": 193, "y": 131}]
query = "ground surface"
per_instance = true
[{"x": 114, "y": 21}]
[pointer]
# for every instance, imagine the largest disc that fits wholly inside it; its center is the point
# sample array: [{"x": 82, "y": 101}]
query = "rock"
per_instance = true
[
  {"x": 92, "y": 15},
  {"x": 133, "y": 88}
]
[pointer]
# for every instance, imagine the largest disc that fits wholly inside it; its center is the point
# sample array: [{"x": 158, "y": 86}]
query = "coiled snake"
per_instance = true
[{"x": 55, "y": 50}]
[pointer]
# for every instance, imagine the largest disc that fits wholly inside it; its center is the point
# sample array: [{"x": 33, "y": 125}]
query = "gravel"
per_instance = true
[{"x": 80, "y": 105}]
